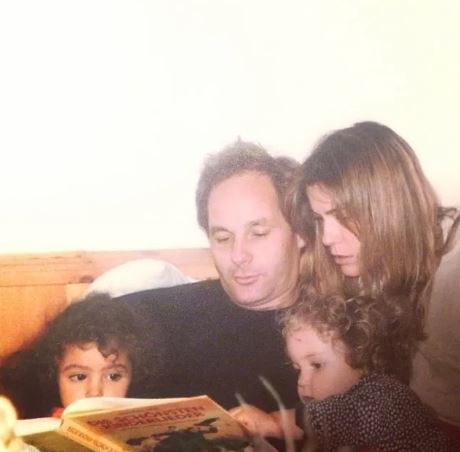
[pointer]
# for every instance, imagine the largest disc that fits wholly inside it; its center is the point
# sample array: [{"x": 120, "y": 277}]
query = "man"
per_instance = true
[{"x": 221, "y": 335}]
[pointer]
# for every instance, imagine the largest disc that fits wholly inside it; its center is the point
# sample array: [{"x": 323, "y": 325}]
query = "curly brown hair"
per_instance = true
[
  {"x": 376, "y": 333},
  {"x": 112, "y": 326}
]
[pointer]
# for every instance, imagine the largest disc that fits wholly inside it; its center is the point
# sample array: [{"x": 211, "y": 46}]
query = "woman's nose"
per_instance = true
[{"x": 330, "y": 231}]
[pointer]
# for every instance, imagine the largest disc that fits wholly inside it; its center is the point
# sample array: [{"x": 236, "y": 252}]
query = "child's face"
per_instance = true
[
  {"x": 321, "y": 363},
  {"x": 85, "y": 372}
]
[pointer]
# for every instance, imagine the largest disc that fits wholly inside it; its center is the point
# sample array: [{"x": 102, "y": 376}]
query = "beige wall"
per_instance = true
[{"x": 107, "y": 108}]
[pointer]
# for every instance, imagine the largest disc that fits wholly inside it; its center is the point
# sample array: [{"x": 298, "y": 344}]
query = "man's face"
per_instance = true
[{"x": 254, "y": 249}]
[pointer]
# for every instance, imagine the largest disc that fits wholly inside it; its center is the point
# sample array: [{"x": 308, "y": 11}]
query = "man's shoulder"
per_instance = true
[{"x": 184, "y": 293}]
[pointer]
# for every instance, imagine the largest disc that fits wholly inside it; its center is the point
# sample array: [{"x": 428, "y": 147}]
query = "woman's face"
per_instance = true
[{"x": 342, "y": 244}]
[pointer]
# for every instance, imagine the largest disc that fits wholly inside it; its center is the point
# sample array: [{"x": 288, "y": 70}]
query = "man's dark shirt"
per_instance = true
[{"x": 214, "y": 347}]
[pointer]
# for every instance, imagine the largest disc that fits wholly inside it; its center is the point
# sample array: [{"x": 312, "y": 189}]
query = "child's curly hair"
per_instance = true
[
  {"x": 111, "y": 325},
  {"x": 375, "y": 335}
]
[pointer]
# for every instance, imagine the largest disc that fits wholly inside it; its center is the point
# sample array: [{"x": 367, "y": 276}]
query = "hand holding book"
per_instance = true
[{"x": 118, "y": 425}]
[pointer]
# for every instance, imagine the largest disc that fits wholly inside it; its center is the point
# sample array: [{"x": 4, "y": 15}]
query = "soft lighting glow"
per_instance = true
[{"x": 108, "y": 108}]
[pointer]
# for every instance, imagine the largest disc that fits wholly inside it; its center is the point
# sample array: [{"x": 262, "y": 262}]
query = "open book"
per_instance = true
[{"x": 144, "y": 425}]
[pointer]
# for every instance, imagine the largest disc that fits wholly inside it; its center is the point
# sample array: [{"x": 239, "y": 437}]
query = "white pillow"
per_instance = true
[{"x": 137, "y": 275}]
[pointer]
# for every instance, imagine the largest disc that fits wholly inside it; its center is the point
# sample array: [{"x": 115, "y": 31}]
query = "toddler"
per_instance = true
[{"x": 350, "y": 395}]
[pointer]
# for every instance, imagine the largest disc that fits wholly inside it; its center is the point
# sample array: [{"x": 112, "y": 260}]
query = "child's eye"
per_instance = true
[
  {"x": 115, "y": 376},
  {"x": 316, "y": 366},
  {"x": 77, "y": 377}
]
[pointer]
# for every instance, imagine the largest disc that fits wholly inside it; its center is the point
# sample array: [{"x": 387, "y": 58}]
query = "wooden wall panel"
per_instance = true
[
  {"x": 84, "y": 267},
  {"x": 24, "y": 311},
  {"x": 35, "y": 287}
]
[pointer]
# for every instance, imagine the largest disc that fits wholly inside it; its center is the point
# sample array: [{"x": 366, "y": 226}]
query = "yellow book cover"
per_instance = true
[{"x": 157, "y": 425}]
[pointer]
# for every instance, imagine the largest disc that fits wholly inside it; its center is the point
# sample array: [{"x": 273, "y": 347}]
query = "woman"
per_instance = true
[{"x": 372, "y": 224}]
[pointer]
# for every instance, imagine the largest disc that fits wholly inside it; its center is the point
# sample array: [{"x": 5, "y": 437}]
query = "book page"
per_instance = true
[
  {"x": 30, "y": 426},
  {"x": 110, "y": 403},
  {"x": 44, "y": 434},
  {"x": 53, "y": 442},
  {"x": 176, "y": 425}
]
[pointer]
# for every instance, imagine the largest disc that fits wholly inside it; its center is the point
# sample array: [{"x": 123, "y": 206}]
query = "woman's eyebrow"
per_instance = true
[
  {"x": 327, "y": 212},
  {"x": 331, "y": 211}
]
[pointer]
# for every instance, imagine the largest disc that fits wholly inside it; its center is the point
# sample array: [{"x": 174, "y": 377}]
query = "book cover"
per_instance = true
[{"x": 115, "y": 425}]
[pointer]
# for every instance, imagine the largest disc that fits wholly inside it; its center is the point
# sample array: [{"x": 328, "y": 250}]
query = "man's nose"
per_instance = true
[
  {"x": 240, "y": 251},
  {"x": 95, "y": 387}
]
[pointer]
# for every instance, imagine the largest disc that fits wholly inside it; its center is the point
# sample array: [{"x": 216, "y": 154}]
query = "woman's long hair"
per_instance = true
[{"x": 382, "y": 195}]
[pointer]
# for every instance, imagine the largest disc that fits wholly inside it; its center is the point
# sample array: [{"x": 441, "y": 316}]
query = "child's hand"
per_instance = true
[
  {"x": 8, "y": 440},
  {"x": 257, "y": 422}
]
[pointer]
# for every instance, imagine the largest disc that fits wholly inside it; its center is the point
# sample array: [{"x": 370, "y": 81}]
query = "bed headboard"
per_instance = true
[{"x": 35, "y": 287}]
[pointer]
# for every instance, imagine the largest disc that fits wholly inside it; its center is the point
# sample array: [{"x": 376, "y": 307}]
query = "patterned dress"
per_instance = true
[{"x": 379, "y": 412}]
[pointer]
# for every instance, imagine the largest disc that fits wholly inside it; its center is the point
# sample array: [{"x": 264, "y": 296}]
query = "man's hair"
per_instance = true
[
  {"x": 381, "y": 194},
  {"x": 239, "y": 158},
  {"x": 364, "y": 325}
]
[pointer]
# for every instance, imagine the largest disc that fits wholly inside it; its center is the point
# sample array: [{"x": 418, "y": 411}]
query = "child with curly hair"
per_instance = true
[
  {"x": 348, "y": 383},
  {"x": 95, "y": 347}
]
